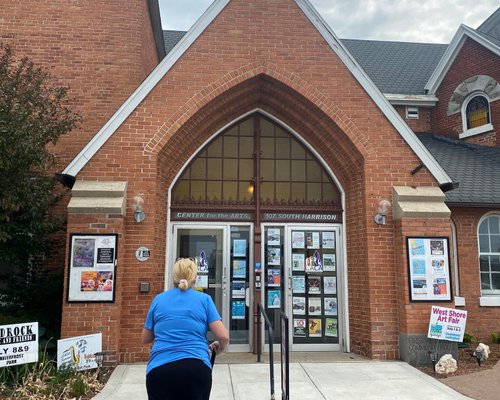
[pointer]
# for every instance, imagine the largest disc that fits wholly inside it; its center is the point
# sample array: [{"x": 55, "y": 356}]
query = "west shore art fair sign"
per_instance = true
[
  {"x": 447, "y": 324},
  {"x": 18, "y": 344}
]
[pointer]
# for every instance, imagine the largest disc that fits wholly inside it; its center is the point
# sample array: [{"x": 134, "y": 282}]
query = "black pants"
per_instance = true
[{"x": 186, "y": 379}]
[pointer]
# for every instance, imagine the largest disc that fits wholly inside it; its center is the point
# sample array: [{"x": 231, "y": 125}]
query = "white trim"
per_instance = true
[
  {"x": 489, "y": 301},
  {"x": 459, "y": 301},
  {"x": 456, "y": 277},
  {"x": 412, "y": 112},
  {"x": 451, "y": 53},
  {"x": 423, "y": 100},
  {"x": 136, "y": 98},
  {"x": 491, "y": 293},
  {"x": 144, "y": 89},
  {"x": 463, "y": 111},
  {"x": 476, "y": 131}
]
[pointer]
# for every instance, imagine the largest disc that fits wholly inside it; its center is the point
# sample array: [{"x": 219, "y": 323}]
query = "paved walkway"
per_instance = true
[{"x": 366, "y": 380}]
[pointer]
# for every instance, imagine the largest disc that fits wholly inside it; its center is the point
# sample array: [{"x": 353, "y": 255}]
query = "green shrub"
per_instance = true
[
  {"x": 495, "y": 337},
  {"x": 468, "y": 338}
]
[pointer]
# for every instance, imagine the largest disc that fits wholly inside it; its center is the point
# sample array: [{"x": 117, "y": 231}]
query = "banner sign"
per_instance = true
[
  {"x": 285, "y": 217},
  {"x": 92, "y": 268},
  {"x": 79, "y": 352},
  {"x": 447, "y": 324},
  {"x": 18, "y": 344},
  {"x": 212, "y": 216}
]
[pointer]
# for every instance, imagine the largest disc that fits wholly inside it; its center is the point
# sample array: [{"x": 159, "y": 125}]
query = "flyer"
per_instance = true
[
  {"x": 273, "y": 237},
  {"x": 299, "y": 305},
  {"x": 328, "y": 240},
  {"x": 239, "y": 248},
  {"x": 330, "y": 284},
  {"x": 314, "y": 284},
  {"x": 298, "y": 240},
  {"x": 331, "y": 327},
  {"x": 437, "y": 247},
  {"x": 330, "y": 305},
  {"x": 418, "y": 265},
  {"x": 416, "y": 247},
  {"x": 312, "y": 240},
  {"x": 298, "y": 284},
  {"x": 273, "y": 277},
  {"x": 239, "y": 268},
  {"x": 299, "y": 327},
  {"x": 238, "y": 289},
  {"x": 202, "y": 262},
  {"x": 83, "y": 253},
  {"x": 328, "y": 262},
  {"x": 315, "y": 327},
  {"x": 274, "y": 299},
  {"x": 314, "y": 307},
  {"x": 273, "y": 256},
  {"x": 237, "y": 309},
  {"x": 298, "y": 262},
  {"x": 447, "y": 324},
  {"x": 314, "y": 263},
  {"x": 201, "y": 281}
]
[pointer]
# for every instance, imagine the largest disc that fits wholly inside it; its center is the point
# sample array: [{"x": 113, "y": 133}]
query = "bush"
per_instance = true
[
  {"x": 495, "y": 337},
  {"x": 468, "y": 338}
]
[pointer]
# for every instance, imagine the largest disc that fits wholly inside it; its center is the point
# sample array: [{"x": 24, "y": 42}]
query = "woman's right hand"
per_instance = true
[{"x": 215, "y": 346}]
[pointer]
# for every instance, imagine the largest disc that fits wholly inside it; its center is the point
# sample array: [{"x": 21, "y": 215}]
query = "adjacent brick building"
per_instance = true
[{"x": 286, "y": 161}]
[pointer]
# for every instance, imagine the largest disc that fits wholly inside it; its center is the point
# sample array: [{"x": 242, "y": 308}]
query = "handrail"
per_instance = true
[{"x": 261, "y": 311}]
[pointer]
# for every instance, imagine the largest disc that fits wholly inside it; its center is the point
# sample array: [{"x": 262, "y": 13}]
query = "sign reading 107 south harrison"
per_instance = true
[{"x": 18, "y": 344}]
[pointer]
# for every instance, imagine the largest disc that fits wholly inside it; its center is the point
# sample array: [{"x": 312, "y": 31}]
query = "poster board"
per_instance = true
[
  {"x": 429, "y": 268},
  {"x": 447, "y": 324},
  {"x": 79, "y": 352},
  {"x": 18, "y": 344},
  {"x": 92, "y": 268}
]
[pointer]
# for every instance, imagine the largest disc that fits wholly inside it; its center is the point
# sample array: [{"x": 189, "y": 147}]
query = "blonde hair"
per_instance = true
[{"x": 184, "y": 273}]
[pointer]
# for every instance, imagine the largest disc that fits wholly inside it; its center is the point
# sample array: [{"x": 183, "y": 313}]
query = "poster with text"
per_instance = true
[
  {"x": 298, "y": 240},
  {"x": 79, "y": 352},
  {"x": 238, "y": 309},
  {"x": 273, "y": 255},
  {"x": 18, "y": 344},
  {"x": 239, "y": 248},
  {"x": 299, "y": 327},
  {"x": 273, "y": 277},
  {"x": 298, "y": 262},
  {"x": 328, "y": 240},
  {"x": 273, "y": 237},
  {"x": 239, "y": 268},
  {"x": 274, "y": 299},
  {"x": 447, "y": 324},
  {"x": 298, "y": 284},
  {"x": 429, "y": 269},
  {"x": 299, "y": 305},
  {"x": 331, "y": 328},
  {"x": 92, "y": 268}
]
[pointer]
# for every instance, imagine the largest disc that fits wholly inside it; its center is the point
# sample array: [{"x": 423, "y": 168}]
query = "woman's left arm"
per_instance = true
[{"x": 147, "y": 336}]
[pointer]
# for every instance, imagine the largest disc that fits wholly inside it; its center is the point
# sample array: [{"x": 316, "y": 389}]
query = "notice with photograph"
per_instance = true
[
  {"x": 331, "y": 328},
  {"x": 273, "y": 237},
  {"x": 298, "y": 284},
  {"x": 328, "y": 240},
  {"x": 330, "y": 305},
  {"x": 312, "y": 240},
  {"x": 330, "y": 284},
  {"x": 314, "y": 306},
  {"x": 274, "y": 299},
  {"x": 239, "y": 248},
  {"x": 299, "y": 305},
  {"x": 315, "y": 327},
  {"x": 299, "y": 327},
  {"x": 298, "y": 240},
  {"x": 314, "y": 284},
  {"x": 239, "y": 268},
  {"x": 273, "y": 256},
  {"x": 273, "y": 277},
  {"x": 298, "y": 263},
  {"x": 329, "y": 262},
  {"x": 429, "y": 269}
]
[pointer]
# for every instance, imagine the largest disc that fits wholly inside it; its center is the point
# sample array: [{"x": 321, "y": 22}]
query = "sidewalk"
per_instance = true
[{"x": 367, "y": 380}]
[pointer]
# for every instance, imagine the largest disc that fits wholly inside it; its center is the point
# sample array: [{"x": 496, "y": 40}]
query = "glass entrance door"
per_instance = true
[{"x": 222, "y": 256}]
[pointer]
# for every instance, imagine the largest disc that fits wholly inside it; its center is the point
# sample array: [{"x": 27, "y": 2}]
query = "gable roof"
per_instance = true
[
  {"x": 476, "y": 169},
  {"x": 197, "y": 29},
  {"x": 490, "y": 28},
  {"x": 171, "y": 38},
  {"x": 454, "y": 48}
]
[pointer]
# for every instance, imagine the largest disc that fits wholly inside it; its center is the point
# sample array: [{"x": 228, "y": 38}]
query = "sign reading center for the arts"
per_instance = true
[
  {"x": 447, "y": 324},
  {"x": 18, "y": 344}
]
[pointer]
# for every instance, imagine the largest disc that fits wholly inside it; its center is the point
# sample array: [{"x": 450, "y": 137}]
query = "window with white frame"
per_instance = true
[
  {"x": 411, "y": 112},
  {"x": 476, "y": 116},
  {"x": 489, "y": 254}
]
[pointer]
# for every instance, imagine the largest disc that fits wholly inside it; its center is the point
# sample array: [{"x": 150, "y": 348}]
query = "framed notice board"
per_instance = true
[
  {"x": 92, "y": 268},
  {"x": 429, "y": 268}
]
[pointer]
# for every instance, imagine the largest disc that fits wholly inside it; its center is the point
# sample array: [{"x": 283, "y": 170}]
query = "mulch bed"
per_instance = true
[{"x": 467, "y": 364}]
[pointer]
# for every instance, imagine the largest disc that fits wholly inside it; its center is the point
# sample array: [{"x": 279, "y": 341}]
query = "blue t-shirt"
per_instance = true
[{"x": 179, "y": 320}]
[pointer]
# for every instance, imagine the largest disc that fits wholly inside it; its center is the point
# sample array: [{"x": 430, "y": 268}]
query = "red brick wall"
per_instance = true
[
  {"x": 101, "y": 49},
  {"x": 422, "y": 124},
  {"x": 481, "y": 321},
  {"x": 266, "y": 55},
  {"x": 473, "y": 59}
]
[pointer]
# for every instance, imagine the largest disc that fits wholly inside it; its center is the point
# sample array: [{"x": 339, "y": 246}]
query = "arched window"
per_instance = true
[
  {"x": 476, "y": 115},
  {"x": 489, "y": 254}
]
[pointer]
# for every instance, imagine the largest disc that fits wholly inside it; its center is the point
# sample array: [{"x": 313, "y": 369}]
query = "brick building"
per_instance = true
[{"x": 351, "y": 184}]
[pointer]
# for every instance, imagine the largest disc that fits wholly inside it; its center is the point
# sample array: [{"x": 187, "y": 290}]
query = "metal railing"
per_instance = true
[{"x": 262, "y": 312}]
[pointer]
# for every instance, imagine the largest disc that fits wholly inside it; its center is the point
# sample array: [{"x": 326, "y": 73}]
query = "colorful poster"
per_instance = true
[
  {"x": 239, "y": 268},
  {"x": 78, "y": 353},
  {"x": 88, "y": 281},
  {"x": 298, "y": 284},
  {"x": 273, "y": 237},
  {"x": 330, "y": 305},
  {"x": 273, "y": 256},
  {"x": 202, "y": 263},
  {"x": 314, "y": 307},
  {"x": 273, "y": 277},
  {"x": 330, "y": 284},
  {"x": 447, "y": 324},
  {"x": 239, "y": 248},
  {"x": 315, "y": 327},
  {"x": 83, "y": 253},
  {"x": 274, "y": 299},
  {"x": 328, "y": 262},
  {"x": 314, "y": 263},
  {"x": 331, "y": 327},
  {"x": 314, "y": 284},
  {"x": 105, "y": 281},
  {"x": 429, "y": 269},
  {"x": 299, "y": 327},
  {"x": 238, "y": 289},
  {"x": 298, "y": 262},
  {"x": 299, "y": 305},
  {"x": 298, "y": 240},
  {"x": 328, "y": 240},
  {"x": 237, "y": 309}
]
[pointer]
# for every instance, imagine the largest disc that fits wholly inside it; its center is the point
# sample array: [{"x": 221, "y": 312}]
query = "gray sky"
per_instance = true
[{"x": 431, "y": 21}]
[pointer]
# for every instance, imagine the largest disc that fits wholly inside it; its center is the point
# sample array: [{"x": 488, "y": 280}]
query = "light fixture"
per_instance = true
[
  {"x": 138, "y": 207},
  {"x": 434, "y": 356},
  {"x": 383, "y": 208}
]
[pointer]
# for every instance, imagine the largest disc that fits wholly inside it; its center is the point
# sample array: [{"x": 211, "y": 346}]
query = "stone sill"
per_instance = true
[{"x": 489, "y": 301}]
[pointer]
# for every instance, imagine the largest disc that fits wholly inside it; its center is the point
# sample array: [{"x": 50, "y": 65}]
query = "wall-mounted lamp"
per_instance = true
[
  {"x": 382, "y": 210},
  {"x": 138, "y": 207}
]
